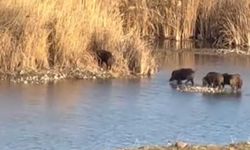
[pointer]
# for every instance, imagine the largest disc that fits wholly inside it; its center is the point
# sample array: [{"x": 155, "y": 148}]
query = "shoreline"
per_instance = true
[
  {"x": 187, "y": 146},
  {"x": 53, "y": 76},
  {"x": 47, "y": 76}
]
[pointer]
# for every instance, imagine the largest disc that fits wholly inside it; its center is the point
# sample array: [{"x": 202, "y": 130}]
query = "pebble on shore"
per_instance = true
[
  {"x": 186, "y": 146},
  {"x": 28, "y": 77}
]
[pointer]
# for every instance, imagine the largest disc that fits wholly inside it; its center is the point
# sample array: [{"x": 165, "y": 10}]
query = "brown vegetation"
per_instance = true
[
  {"x": 225, "y": 22},
  {"x": 222, "y": 23},
  {"x": 43, "y": 34},
  {"x": 59, "y": 35}
]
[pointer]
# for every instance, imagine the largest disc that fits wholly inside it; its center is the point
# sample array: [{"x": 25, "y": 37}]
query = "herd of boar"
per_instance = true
[{"x": 212, "y": 79}]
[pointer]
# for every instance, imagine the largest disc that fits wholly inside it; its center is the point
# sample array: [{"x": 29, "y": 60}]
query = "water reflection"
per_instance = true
[
  {"x": 191, "y": 59},
  {"x": 61, "y": 96},
  {"x": 228, "y": 95},
  {"x": 175, "y": 45},
  {"x": 175, "y": 60}
]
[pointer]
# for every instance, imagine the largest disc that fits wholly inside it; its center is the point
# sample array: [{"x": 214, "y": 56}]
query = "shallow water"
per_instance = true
[{"x": 104, "y": 115}]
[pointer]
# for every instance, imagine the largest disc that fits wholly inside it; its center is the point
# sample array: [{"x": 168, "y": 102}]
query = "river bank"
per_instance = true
[
  {"x": 186, "y": 146},
  {"x": 46, "y": 76},
  {"x": 54, "y": 75}
]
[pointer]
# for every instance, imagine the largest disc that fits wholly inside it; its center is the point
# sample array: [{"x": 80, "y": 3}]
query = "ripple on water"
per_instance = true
[{"x": 123, "y": 113}]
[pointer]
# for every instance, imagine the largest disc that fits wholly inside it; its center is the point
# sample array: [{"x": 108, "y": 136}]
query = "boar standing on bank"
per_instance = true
[{"x": 105, "y": 57}]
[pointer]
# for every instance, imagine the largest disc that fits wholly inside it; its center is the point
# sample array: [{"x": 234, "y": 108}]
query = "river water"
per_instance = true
[{"x": 113, "y": 114}]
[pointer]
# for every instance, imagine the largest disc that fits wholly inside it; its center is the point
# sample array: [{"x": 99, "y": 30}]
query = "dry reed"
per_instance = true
[
  {"x": 225, "y": 22},
  {"x": 60, "y": 35},
  {"x": 222, "y": 22}
]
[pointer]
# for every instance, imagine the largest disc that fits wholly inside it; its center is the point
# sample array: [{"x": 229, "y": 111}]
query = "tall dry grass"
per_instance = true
[
  {"x": 171, "y": 19},
  {"x": 60, "y": 35},
  {"x": 221, "y": 22},
  {"x": 225, "y": 22},
  {"x": 44, "y": 34}
]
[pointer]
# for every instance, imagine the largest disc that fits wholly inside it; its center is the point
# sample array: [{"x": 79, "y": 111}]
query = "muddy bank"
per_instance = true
[
  {"x": 186, "y": 146},
  {"x": 48, "y": 76}
]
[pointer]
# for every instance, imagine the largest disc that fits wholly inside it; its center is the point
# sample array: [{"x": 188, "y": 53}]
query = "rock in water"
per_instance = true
[
  {"x": 181, "y": 145},
  {"x": 199, "y": 89}
]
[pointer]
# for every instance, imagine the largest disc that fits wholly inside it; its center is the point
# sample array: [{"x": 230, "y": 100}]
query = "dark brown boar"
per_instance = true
[
  {"x": 183, "y": 74},
  {"x": 234, "y": 80},
  {"x": 213, "y": 79},
  {"x": 105, "y": 57}
]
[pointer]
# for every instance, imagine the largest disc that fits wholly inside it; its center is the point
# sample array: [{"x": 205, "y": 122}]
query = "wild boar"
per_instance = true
[
  {"x": 234, "y": 80},
  {"x": 105, "y": 57},
  {"x": 213, "y": 79},
  {"x": 183, "y": 74}
]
